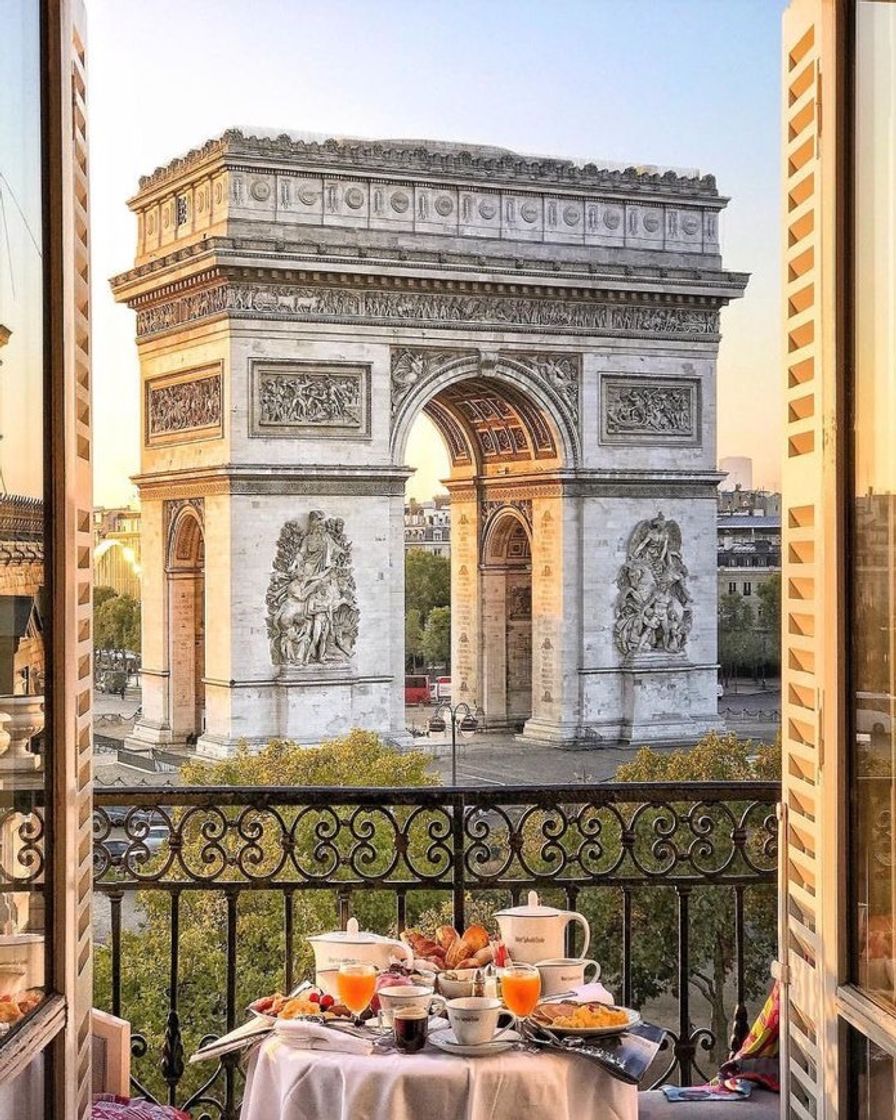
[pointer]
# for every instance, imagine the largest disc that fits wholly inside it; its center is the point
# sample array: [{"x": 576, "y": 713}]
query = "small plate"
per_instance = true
[
  {"x": 634, "y": 1017},
  {"x": 445, "y": 1040}
]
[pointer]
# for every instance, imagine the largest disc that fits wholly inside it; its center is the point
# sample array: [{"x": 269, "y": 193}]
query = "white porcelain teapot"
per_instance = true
[
  {"x": 535, "y": 933},
  {"x": 354, "y": 944}
]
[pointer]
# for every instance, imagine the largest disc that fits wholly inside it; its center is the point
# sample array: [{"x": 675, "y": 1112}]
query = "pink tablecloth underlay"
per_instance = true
[{"x": 286, "y": 1082}]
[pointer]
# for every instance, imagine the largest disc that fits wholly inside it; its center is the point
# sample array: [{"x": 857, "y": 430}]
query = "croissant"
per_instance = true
[
  {"x": 421, "y": 945},
  {"x": 483, "y": 957},
  {"x": 457, "y": 951},
  {"x": 476, "y": 937},
  {"x": 445, "y": 935}
]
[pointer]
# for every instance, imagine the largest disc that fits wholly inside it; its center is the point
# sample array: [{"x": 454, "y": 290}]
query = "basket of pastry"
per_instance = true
[{"x": 448, "y": 949}]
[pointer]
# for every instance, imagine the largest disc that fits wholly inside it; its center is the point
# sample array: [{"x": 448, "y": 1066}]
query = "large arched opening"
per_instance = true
[
  {"x": 186, "y": 626},
  {"x": 503, "y": 440}
]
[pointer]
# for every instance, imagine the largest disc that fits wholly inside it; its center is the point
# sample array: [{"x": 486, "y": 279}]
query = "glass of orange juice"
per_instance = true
[
  {"x": 356, "y": 981},
  {"x": 520, "y": 988}
]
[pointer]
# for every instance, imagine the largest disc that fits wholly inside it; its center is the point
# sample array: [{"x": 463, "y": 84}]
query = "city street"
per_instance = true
[
  {"x": 502, "y": 759},
  {"x": 486, "y": 758}
]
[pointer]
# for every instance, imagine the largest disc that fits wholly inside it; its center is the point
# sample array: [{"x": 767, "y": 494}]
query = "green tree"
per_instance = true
[
  {"x": 437, "y": 636},
  {"x": 737, "y": 639},
  {"x": 711, "y": 925},
  {"x": 357, "y": 759},
  {"x": 427, "y": 582},
  {"x": 116, "y": 623},
  {"x": 413, "y": 638},
  {"x": 101, "y": 594},
  {"x": 769, "y": 622}
]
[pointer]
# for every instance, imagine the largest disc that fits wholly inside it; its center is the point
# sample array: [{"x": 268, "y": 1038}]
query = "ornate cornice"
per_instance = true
[
  {"x": 312, "y": 480},
  {"x": 294, "y": 258},
  {"x": 433, "y": 159}
]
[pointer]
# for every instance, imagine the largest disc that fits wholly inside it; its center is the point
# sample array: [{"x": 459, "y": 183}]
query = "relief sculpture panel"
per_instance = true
[
  {"x": 653, "y": 609},
  {"x": 312, "y": 608},
  {"x": 295, "y": 399},
  {"x": 184, "y": 406},
  {"x": 637, "y": 411}
]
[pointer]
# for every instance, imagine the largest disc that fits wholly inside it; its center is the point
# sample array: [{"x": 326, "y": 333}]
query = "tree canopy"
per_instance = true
[
  {"x": 427, "y": 582},
  {"x": 413, "y": 637},
  {"x": 437, "y": 636},
  {"x": 116, "y": 621}
]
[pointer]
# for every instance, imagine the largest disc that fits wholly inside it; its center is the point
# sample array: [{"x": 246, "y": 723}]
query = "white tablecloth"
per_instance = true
[{"x": 286, "y": 1082}]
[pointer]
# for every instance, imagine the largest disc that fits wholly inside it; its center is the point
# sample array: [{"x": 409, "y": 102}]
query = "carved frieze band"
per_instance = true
[
  {"x": 649, "y": 411},
  {"x": 184, "y": 406},
  {"x": 309, "y": 399},
  {"x": 472, "y": 311}
]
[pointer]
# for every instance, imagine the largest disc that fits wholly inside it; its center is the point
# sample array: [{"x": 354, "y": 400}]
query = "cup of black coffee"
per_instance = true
[{"x": 410, "y": 1025}]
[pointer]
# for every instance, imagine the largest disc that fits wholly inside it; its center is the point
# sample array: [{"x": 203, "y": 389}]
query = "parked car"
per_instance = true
[{"x": 416, "y": 690}]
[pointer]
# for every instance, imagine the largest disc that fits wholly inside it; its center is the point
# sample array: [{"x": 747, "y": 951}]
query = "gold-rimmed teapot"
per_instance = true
[{"x": 534, "y": 933}]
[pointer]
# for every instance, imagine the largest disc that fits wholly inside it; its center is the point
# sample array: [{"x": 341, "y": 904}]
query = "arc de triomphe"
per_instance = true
[{"x": 298, "y": 304}]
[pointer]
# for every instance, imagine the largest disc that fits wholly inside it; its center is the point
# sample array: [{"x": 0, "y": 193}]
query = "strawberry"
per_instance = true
[
  {"x": 314, "y": 997},
  {"x": 326, "y": 1002}
]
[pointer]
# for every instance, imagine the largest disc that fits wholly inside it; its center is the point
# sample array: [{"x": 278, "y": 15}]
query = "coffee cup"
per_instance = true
[
  {"x": 474, "y": 1019},
  {"x": 407, "y": 995},
  {"x": 559, "y": 974}
]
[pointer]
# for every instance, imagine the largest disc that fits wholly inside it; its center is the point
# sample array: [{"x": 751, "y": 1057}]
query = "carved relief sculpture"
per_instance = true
[
  {"x": 312, "y": 610},
  {"x": 182, "y": 405},
  {"x": 324, "y": 304},
  {"x": 652, "y": 411},
  {"x": 653, "y": 609},
  {"x": 410, "y": 366},
  {"x": 561, "y": 372},
  {"x": 294, "y": 399}
]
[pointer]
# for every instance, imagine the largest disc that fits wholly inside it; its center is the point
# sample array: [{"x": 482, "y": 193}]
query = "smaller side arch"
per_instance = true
[{"x": 186, "y": 540}]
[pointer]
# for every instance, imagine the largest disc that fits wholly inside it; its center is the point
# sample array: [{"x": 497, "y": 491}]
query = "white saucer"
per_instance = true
[{"x": 445, "y": 1040}]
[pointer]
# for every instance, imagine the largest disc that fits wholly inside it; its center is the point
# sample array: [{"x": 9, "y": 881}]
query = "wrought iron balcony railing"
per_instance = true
[{"x": 676, "y": 881}]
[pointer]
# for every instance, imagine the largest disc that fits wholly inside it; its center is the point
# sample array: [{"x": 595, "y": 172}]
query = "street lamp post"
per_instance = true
[{"x": 461, "y": 717}]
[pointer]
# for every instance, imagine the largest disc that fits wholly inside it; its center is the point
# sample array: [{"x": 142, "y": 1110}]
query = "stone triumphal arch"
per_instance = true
[{"x": 299, "y": 304}]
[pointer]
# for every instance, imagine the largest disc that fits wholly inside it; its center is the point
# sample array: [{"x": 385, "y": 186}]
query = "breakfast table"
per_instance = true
[{"x": 288, "y": 1081}]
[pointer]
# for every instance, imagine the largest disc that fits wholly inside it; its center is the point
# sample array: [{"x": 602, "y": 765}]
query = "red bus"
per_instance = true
[{"x": 416, "y": 690}]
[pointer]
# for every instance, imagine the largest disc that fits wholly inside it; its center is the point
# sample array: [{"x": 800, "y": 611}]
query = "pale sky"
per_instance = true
[{"x": 684, "y": 83}]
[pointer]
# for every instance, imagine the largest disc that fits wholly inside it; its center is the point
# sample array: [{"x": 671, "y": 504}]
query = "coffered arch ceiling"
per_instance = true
[{"x": 485, "y": 422}]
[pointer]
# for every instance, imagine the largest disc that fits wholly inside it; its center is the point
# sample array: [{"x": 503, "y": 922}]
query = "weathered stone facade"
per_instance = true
[{"x": 558, "y": 323}]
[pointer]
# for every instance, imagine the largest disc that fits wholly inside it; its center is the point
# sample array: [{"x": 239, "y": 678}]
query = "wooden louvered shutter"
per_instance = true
[{"x": 811, "y": 706}]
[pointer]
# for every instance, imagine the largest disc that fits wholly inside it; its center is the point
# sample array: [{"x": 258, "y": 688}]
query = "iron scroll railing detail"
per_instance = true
[{"x": 458, "y": 842}]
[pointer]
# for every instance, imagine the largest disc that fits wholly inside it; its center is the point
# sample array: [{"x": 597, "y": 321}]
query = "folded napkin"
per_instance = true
[
  {"x": 592, "y": 993},
  {"x": 246, "y": 1034},
  {"x": 346, "y": 1039}
]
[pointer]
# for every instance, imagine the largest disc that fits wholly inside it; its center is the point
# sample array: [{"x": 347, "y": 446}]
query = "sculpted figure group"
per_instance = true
[
  {"x": 653, "y": 610},
  {"x": 312, "y": 606}
]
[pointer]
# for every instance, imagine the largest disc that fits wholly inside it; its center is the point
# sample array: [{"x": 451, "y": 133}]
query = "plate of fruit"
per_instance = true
[{"x": 302, "y": 1005}]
